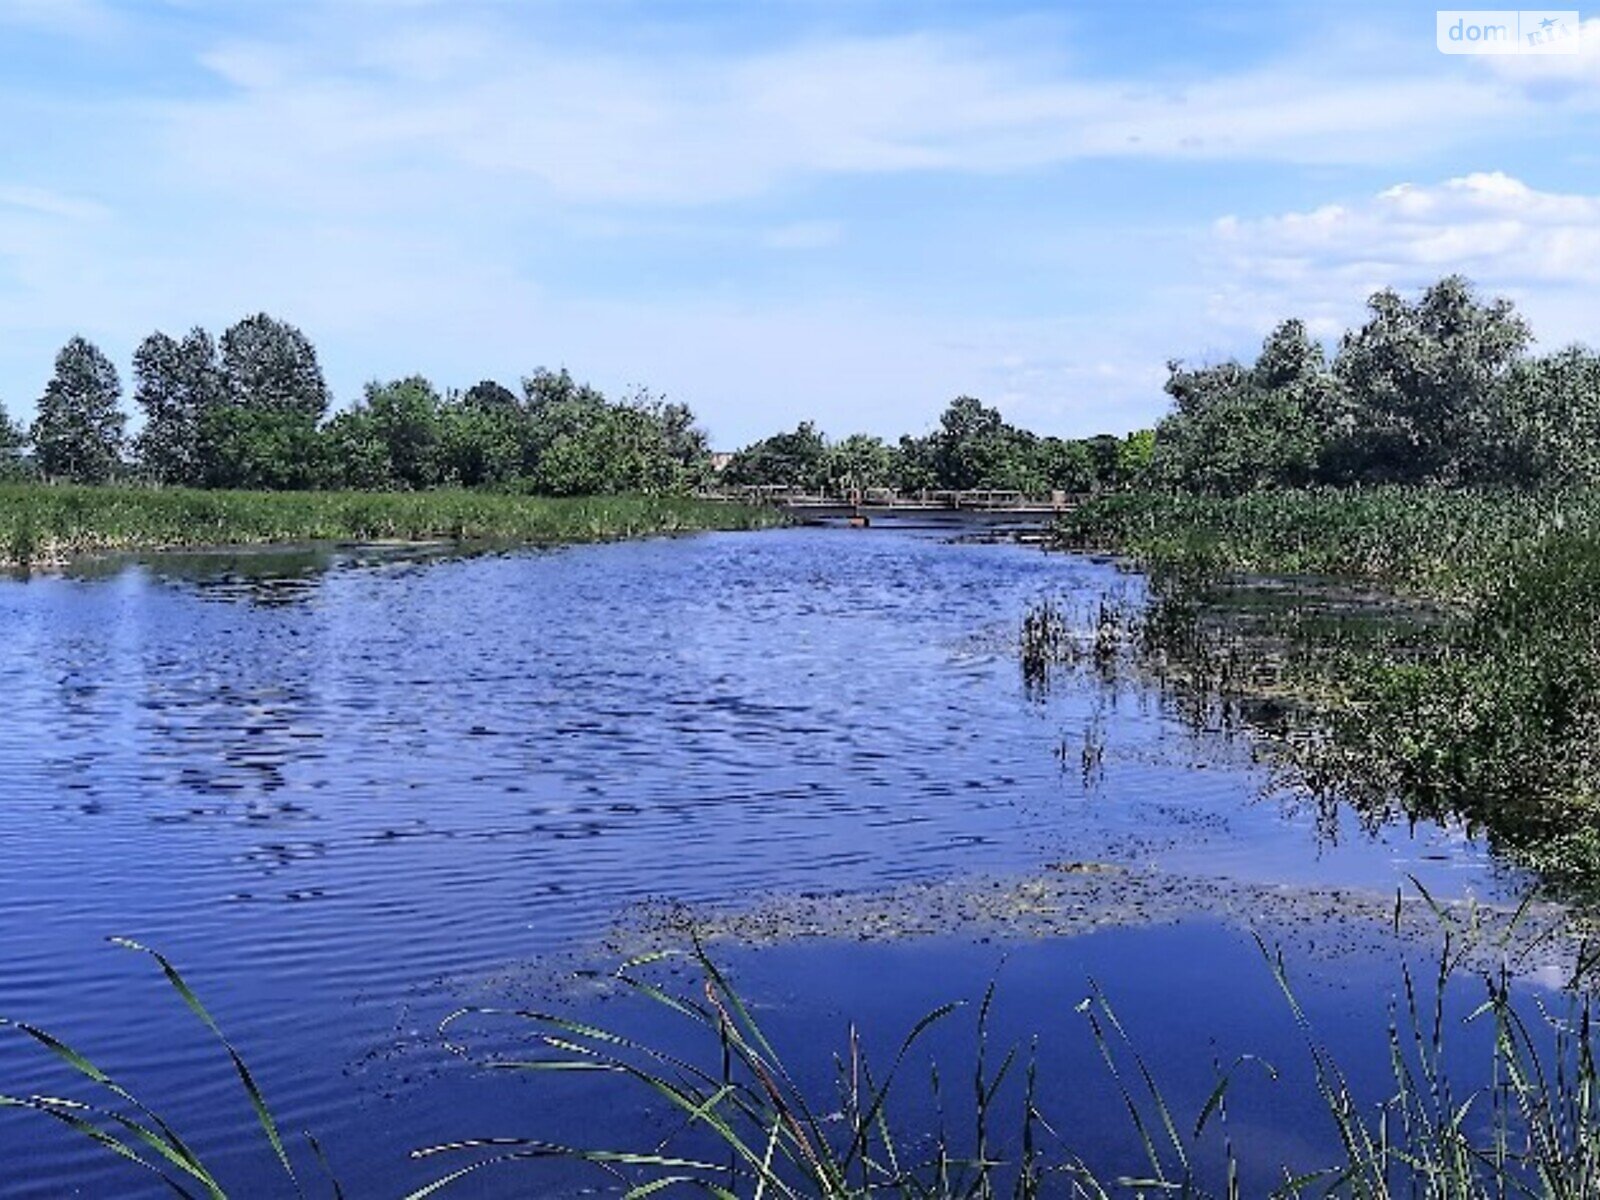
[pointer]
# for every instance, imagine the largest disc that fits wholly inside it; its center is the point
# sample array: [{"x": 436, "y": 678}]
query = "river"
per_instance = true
[{"x": 348, "y": 791}]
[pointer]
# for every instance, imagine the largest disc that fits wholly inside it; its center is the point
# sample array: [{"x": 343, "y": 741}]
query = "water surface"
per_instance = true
[{"x": 347, "y": 792}]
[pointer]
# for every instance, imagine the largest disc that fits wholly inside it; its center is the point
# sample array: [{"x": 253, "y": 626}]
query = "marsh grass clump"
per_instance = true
[
  {"x": 1445, "y": 544},
  {"x": 1057, "y": 632},
  {"x": 47, "y": 524}
]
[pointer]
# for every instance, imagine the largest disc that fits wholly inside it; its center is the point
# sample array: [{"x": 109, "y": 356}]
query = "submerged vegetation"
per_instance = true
[{"x": 46, "y": 524}]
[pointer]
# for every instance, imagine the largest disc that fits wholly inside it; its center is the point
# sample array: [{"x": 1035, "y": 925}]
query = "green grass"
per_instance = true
[
  {"x": 1449, "y": 545},
  {"x": 48, "y": 524}
]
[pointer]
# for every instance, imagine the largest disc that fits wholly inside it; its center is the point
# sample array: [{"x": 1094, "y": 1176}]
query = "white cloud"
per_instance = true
[
  {"x": 1555, "y": 76},
  {"x": 322, "y": 113},
  {"x": 1541, "y": 248}
]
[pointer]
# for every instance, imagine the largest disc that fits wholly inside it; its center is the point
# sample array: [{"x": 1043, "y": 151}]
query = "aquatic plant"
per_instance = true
[
  {"x": 1478, "y": 703},
  {"x": 1528, "y": 1125},
  {"x": 42, "y": 524}
]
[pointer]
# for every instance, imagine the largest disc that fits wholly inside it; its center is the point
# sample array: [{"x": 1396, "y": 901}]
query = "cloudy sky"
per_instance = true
[{"x": 847, "y": 211}]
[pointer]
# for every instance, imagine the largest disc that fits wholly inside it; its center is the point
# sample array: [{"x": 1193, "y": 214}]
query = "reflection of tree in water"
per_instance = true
[{"x": 268, "y": 576}]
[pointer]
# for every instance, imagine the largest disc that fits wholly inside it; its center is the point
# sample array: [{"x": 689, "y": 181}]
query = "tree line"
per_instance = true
[
  {"x": 972, "y": 447},
  {"x": 251, "y": 411},
  {"x": 1440, "y": 389},
  {"x": 1437, "y": 390}
]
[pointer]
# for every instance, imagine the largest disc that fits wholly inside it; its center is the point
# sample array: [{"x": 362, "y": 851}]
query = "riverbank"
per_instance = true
[
  {"x": 46, "y": 525},
  {"x": 1489, "y": 715}
]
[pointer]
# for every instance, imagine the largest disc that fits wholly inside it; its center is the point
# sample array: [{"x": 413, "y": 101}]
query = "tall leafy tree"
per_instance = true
[
  {"x": 266, "y": 434},
  {"x": 1235, "y": 428},
  {"x": 797, "y": 459},
  {"x": 78, "y": 433},
  {"x": 405, "y": 417},
  {"x": 969, "y": 443},
  {"x": 177, "y": 383},
  {"x": 859, "y": 461},
  {"x": 1422, "y": 376},
  {"x": 1547, "y": 412},
  {"x": 272, "y": 366},
  {"x": 480, "y": 443}
]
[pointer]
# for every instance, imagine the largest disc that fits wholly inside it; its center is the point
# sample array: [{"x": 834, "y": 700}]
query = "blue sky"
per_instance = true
[{"x": 844, "y": 211}]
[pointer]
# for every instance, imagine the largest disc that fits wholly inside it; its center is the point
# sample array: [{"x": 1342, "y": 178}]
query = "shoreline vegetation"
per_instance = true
[
  {"x": 1486, "y": 714},
  {"x": 48, "y": 525}
]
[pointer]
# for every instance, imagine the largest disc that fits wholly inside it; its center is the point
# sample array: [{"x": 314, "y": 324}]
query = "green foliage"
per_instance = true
[
  {"x": 45, "y": 524},
  {"x": 1546, "y": 415},
  {"x": 1236, "y": 428},
  {"x": 252, "y": 447},
  {"x": 13, "y": 441},
  {"x": 405, "y": 419},
  {"x": 1422, "y": 376},
  {"x": 973, "y": 444},
  {"x": 1435, "y": 390},
  {"x": 77, "y": 434},
  {"x": 576, "y": 442},
  {"x": 860, "y": 461},
  {"x": 798, "y": 459},
  {"x": 973, "y": 448},
  {"x": 480, "y": 439},
  {"x": 269, "y": 365},
  {"x": 177, "y": 385}
]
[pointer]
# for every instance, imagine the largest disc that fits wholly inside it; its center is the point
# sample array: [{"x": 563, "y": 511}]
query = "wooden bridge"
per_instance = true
[{"x": 861, "y": 506}]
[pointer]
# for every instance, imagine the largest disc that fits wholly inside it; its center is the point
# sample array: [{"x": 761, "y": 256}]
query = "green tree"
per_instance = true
[
  {"x": 77, "y": 434},
  {"x": 1230, "y": 434},
  {"x": 266, "y": 434},
  {"x": 969, "y": 444},
  {"x": 1548, "y": 410},
  {"x": 481, "y": 436},
  {"x": 176, "y": 385},
  {"x": 13, "y": 440},
  {"x": 1065, "y": 465},
  {"x": 357, "y": 455},
  {"x": 261, "y": 448},
  {"x": 915, "y": 467},
  {"x": 406, "y": 419},
  {"x": 1135, "y": 455},
  {"x": 576, "y": 442},
  {"x": 270, "y": 365},
  {"x": 798, "y": 459},
  {"x": 1236, "y": 428},
  {"x": 1422, "y": 377},
  {"x": 859, "y": 461}
]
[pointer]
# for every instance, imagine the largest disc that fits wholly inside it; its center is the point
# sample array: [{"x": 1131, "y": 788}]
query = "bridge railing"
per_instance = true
[{"x": 979, "y": 499}]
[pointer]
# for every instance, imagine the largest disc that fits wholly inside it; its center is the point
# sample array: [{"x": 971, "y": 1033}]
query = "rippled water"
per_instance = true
[{"x": 346, "y": 793}]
